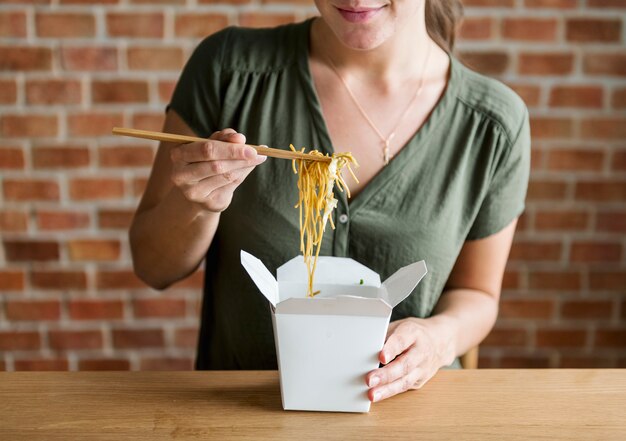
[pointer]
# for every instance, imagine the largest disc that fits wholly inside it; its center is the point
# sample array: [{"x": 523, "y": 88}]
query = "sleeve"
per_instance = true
[
  {"x": 196, "y": 98},
  {"x": 505, "y": 198}
]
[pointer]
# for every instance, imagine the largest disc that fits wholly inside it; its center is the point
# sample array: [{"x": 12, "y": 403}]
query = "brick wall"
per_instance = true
[{"x": 72, "y": 69}]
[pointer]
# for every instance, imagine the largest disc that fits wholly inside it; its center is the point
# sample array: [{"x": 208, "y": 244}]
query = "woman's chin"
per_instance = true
[{"x": 363, "y": 40}]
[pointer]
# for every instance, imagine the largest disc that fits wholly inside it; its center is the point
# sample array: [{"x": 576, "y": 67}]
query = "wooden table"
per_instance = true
[{"x": 455, "y": 405}]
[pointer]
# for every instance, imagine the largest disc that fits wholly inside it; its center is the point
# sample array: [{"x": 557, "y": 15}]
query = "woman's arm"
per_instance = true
[
  {"x": 189, "y": 186},
  {"x": 417, "y": 348}
]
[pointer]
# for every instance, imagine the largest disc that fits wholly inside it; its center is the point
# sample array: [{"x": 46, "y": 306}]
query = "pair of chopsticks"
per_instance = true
[{"x": 184, "y": 139}]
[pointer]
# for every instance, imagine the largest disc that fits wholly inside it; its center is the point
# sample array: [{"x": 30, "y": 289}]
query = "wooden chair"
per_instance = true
[{"x": 469, "y": 360}]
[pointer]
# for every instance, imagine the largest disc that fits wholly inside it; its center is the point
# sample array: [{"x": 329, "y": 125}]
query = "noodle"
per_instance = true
[{"x": 316, "y": 202}]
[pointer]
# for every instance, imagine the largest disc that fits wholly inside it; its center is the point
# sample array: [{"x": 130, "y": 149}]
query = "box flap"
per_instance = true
[
  {"x": 342, "y": 305},
  {"x": 261, "y": 276},
  {"x": 330, "y": 270},
  {"x": 403, "y": 281}
]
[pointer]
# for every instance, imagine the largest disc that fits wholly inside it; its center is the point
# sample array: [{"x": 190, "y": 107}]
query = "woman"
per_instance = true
[{"x": 444, "y": 156}]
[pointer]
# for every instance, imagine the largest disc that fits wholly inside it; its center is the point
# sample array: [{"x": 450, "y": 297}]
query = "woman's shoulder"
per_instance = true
[
  {"x": 256, "y": 49},
  {"x": 492, "y": 99}
]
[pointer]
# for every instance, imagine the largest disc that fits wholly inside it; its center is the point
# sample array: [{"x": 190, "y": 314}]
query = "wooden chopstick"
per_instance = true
[{"x": 184, "y": 139}]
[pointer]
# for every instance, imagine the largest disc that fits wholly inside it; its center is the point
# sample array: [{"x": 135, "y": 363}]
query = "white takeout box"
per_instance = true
[{"x": 326, "y": 344}]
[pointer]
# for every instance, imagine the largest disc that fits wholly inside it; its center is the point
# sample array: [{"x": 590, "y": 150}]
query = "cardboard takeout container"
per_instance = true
[{"x": 326, "y": 344}]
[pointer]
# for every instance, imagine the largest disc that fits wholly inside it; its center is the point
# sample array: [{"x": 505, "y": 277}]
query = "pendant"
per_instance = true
[{"x": 386, "y": 155}]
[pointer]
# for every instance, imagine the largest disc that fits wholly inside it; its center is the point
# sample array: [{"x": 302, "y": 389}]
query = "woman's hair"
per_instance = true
[{"x": 442, "y": 19}]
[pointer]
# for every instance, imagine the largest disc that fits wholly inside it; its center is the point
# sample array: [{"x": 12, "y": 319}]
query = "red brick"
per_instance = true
[
  {"x": 63, "y": 157},
  {"x": 487, "y": 62},
  {"x": 29, "y": 126},
  {"x": 546, "y": 190},
  {"x": 62, "y": 220},
  {"x": 560, "y": 338},
  {"x": 196, "y": 25},
  {"x": 611, "y": 221},
  {"x": 93, "y": 124},
  {"x": 571, "y": 159},
  {"x": 526, "y": 309},
  {"x": 118, "y": 280},
  {"x": 89, "y": 58},
  {"x": 529, "y": 29},
  {"x": 545, "y": 127},
  {"x": 166, "y": 89},
  {"x": 53, "y": 92},
  {"x": 604, "y": 128},
  {"x": 618, "y": 161},
  {"x": 11, "y": 280},
  {"x": 618, "y": 99},
  {"x": 159, "y": 307},
  {"x": 119, "y": 91},
  {"x": 139, "y": 185},
  {"x": 33, "y": 310},
  {"x": 31, "y": 190},
  {"x": 606, "y": 3},
  {"x": 555, "y": 280},
  {"x": 610, "y": 338},
  {"x": 58, "y": 279},
  {"x": 561, "y": 220},
  {"x": 536, "y": 251},
  {"x": 605, "y": 64},
  {"x": 602, "y": 280},
  {"x": 89, "y": 2},
  {"x": 138, "y": 338},
  {"x": 186, "y": 337},
  {"x": 104, "y": 364},
  {"x": 586, "y": 309},
  {"x": 551, "y": 63},
  {"x": 145, "y": 24},
  {"x": 64, "y": 25},
  {"x": 506, "y": 337},
  {"x": 19, "y": 340},
  {"x": 11, "y": 158},
  {"x": 585, "y": 362},
  {"x": 115, "y": 219},
  {"x": 554, "y": 4},
  {"x": 31, "y": 250},
  {"x": 529, "y": 93},
  {"x": 601, "y": 191},
  {"x": 25, "y": 58},
  {"x": 44, "y": 364},
  {"x": 595, "y": 252},
  {"x": 126, "y": 156},
  {"x": 511, "y": 279},
  {"x": 166, "y": 364},
  {"x": 265, "y": 20},
  {"x": 96, "y": 189},
  {"x": 8, "y": 91},
  {"x": 13, "y": 24},
  {"x": 94, "y": 249},
  {"x": 593, "y": 29},
  {"x": 149, "y": 121},
  {"x": 96, "y": 309},
  {"x": 155, "y": 58},
  {"x": 13, "y": 221},
  {"x": 476, "y": 28},
  {"x": 159, "y": 2},
  {"x": 67, "y": 340},
  {"x": 524, "y": 362},
  {"x": 576, "y": 96}
]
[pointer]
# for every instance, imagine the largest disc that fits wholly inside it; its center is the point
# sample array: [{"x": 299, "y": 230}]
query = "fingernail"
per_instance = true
[
  {"x": 374, "y": 381},
  {"x": 249, "y": 153},
  {"x": 376, "y": 396},
  {"x": 262, "y": 158}
]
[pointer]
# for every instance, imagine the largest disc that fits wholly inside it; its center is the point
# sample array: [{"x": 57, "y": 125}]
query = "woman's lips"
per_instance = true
[{"x": 359, "y": 16}]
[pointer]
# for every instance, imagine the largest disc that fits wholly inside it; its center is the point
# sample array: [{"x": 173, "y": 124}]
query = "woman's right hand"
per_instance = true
[{"x": 207, "y": 173}]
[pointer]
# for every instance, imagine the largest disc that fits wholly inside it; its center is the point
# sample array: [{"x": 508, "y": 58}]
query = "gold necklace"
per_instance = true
[{"x": 386, "y": 141}]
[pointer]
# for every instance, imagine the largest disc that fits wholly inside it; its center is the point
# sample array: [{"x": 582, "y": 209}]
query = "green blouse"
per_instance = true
[{"x": 462, "y": 176}]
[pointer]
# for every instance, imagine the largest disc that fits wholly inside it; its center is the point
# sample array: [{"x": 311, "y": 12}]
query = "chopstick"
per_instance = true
[{"x": 184, "y": 139}]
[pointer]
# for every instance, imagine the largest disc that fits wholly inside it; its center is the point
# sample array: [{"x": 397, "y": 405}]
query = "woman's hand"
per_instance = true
[
  {"x": 207, "y": 173},
  {"x": 412, "y": 356}
]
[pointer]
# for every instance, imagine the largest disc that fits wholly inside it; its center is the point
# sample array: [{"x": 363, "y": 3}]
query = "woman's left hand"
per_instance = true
[{"x": 411, "y": 355}]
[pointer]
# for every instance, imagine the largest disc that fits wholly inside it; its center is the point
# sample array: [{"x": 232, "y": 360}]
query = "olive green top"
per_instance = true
[{"x": 462, "y": 176}]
